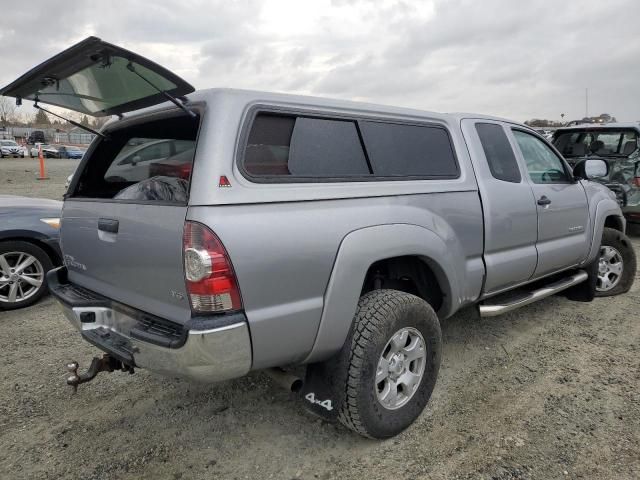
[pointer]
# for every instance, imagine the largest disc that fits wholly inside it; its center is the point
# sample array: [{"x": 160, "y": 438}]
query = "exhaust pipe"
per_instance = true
[{"x": 285, "y": 380}]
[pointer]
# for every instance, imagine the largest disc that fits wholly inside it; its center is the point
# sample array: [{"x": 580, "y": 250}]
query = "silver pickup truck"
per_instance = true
[{"x": 229, "y": 231}]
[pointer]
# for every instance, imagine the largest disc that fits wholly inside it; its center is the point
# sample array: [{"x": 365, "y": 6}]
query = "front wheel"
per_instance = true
[
  {"x": 394, "y": 351},
  {"x": 616, "y": 264},
  {"x": 23, "y": 269}
]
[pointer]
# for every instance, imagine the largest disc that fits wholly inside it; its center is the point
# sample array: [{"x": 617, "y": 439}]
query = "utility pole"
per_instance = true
[{"x": 586, "y": 102}]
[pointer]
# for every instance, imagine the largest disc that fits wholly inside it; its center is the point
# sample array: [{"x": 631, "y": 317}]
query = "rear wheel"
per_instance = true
[
  {"x": 394, "y": 353},
  {"x": 616, "y": 264},
  {"x": 23, "y": 267}
]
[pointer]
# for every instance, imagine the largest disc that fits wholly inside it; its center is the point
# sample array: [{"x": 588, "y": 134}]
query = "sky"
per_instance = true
[{"x": 512, "y": 58}]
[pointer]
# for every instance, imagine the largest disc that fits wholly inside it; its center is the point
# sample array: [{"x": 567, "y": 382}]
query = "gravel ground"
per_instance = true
[{"x": 549, "y": 391}]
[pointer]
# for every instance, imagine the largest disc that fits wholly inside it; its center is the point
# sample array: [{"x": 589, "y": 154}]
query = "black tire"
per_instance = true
[
  {"x": 382, "y": 313},
  {"x": 41, "y": 256},
  {"x": 622, "y": 244}
]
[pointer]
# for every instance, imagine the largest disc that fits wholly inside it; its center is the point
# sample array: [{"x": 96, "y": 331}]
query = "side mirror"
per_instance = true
[
  {"x": 591, "y": 169},
  {"x": 135, "y": 159}
]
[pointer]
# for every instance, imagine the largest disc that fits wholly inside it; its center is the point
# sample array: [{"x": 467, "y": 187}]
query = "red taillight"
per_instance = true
[
  {"x": 636, "y": 182},
  {"x": 180, "y": 171},
  {"x": 184, "y": 171},
  {"x": 211, "y": 281}
]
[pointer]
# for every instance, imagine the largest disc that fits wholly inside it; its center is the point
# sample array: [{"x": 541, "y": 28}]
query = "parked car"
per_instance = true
[
  {"x": 29, "y": 248},
  {"x": 36, "y": 136},
  {"x": 34, "y": 151},
  {"x": 312, "y": 232},
  {"x": 618, "y": 144},
  {"x": 68, "y": 151},
  {"x": 178, "y": 166},
  {"x": 74, "y": 152},
  {"x": 67, "y": 183},
  {"x": 133, "y": 165},
  {"x": 9, "y": 148},
  {"x": 51, "y": 151}
]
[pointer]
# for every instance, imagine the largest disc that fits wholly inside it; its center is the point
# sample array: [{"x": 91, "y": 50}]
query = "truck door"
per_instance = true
[
  {"x": 510, "y": 217},
  {"x": 563, "y": 214}
]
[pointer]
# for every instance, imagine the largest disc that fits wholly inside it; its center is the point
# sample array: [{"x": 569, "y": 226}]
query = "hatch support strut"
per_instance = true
[
  {"x": 75, "y": 124},
  {"x": 167, "y": 95}
]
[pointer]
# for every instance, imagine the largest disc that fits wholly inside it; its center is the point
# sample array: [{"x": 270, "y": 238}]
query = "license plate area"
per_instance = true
[{"x": 111, "y": 342}]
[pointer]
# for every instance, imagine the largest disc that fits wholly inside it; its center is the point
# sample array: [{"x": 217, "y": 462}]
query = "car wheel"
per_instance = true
[
  {"x": 23, "y": 269},
  {"x": 616, "y": 264},
  {"x": 394, "y": 350}
]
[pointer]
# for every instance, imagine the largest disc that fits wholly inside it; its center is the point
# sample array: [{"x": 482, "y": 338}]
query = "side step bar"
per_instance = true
[{"x": 489, "y": 310}]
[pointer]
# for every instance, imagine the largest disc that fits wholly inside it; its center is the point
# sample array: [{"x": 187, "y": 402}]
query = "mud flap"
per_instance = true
[
  {"x": 585, "y": 291},
  {"x": 324, "y": 387}
]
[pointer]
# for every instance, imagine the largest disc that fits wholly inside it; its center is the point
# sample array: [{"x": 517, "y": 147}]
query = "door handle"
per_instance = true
[
  {"x": 108, "y": 225},
  {"x": 543, "y": 200}
]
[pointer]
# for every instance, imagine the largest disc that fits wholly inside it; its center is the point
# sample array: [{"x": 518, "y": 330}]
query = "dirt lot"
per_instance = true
[{"x": 549, "y": 391}]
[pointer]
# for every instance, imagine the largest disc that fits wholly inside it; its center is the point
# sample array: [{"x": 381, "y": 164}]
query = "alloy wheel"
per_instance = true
[
  {"x": 610, "y": 267},
  {"x": 21, "y": 276},
  {"x": 400, "y": 368}
]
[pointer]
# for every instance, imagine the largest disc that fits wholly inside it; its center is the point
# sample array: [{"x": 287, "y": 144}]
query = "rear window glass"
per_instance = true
[
  {"x": 267, "y": 150},
  {"x": 304, "y": 147},
  {"x": 502, "y": 162},
  {"x": 602, "y": 142},
  {"x": 409, "y": 150},
  {"x": 326, "y": 148},
  {"x": 147, "y": 162},
  {"x": 286, "y": 145},
  {"x": 102, "y": 86}
]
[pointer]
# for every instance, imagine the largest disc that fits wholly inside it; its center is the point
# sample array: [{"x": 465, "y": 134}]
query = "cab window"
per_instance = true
[{"x": 543, "y": 165}]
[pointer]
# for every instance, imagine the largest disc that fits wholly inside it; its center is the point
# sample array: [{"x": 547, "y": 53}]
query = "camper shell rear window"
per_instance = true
[{"x": 143, "y": 162}]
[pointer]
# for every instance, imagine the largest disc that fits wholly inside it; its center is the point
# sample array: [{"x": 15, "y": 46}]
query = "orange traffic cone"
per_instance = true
[{"x": 43, "y": 173}]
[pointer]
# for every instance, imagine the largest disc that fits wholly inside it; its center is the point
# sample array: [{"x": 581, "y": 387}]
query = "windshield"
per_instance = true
[
  {"x": 8, "y": 143},
  {"x": 601, "y": 142}
]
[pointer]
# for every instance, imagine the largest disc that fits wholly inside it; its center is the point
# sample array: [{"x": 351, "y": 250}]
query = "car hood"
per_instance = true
[{"x": 14, "y": 201}]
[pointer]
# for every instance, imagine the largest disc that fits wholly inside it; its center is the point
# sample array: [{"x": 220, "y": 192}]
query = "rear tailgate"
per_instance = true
[
  {"x": 131, "y": 253},
  {"x": 122, "y": 224}
]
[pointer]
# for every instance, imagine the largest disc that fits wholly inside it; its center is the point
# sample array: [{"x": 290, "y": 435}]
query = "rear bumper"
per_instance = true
[
  {"x": 208, "y": 349},
  {"x": 632, "y": 213}
]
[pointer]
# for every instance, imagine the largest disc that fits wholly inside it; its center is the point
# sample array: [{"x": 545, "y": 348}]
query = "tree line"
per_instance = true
[{"x": 10, "y": 115}]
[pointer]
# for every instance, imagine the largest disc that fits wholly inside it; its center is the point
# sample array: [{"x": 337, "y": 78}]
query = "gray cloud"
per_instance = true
[{"x": 515, "y": 59}]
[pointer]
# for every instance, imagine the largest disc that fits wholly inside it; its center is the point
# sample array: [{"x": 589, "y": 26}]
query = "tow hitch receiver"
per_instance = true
[{"x": 106, "y": 363}]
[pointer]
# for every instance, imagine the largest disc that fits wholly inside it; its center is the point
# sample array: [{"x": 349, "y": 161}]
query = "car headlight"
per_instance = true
[{"x": 52, "y": 222}]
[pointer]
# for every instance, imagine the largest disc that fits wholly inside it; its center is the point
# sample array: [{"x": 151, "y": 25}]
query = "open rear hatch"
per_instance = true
[
  {"x": 124, "y": 213},
  {"x": 98, "y": 78}
]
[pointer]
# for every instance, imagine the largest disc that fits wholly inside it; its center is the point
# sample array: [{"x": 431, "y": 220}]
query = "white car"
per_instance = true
[
  {"x": 68, "y": 182},
  {"x": 33, "y": 152},
  {"x": 134, "y": 164},
  {"x": 9, "y": 148}
]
